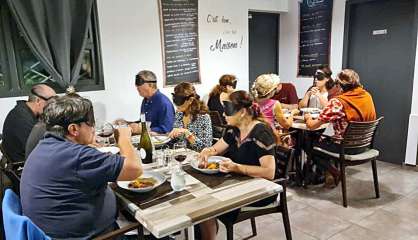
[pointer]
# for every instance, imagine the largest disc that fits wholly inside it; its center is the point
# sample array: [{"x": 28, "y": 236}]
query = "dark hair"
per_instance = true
[
  {"x": 242, "y": 99},
  {"x": 330, "y": 84},
  {"x": 196, "y": 107},
  {"x": 60, "y": 112},
  {"x": 224, "y": 81},
  {"x": 325, "y": 68}
]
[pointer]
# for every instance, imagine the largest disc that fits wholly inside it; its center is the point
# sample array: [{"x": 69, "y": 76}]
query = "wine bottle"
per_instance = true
[{"x": 145, "y": 144}]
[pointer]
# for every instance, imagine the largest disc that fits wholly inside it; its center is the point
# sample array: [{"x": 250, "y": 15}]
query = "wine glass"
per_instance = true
[
  {"x": 104, "y": 130},
  {"x": 179, "y": 152}
]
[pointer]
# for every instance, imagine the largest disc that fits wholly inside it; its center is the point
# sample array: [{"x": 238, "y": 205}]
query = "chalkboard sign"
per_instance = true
[
  {"x": 180, "y": 45},
  {"x": 314, "y": 35}
]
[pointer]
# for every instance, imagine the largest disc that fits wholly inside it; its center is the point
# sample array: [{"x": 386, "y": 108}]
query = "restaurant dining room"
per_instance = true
[{"x": 209, "y": 119}]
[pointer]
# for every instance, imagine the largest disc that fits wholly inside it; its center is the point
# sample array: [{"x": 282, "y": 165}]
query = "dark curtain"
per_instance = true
[{"x": 56, "y": 32}]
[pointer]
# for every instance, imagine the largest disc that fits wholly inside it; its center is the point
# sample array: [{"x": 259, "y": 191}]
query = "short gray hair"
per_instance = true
[{"x": 63, "y": 111}]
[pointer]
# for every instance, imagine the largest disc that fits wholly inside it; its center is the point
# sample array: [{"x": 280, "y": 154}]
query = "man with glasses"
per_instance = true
[
  {"x": 64, "y": 187},
  {"x": 157, "y": 108},
  {"x": 21, "y": 119}
]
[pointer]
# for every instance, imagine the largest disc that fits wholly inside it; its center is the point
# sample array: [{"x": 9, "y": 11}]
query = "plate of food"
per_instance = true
[
  {"x": 112, "y": 150},
  {"x": 310, "y": 110},
  {"x": 211, "y": 168},
  {"x": 146, "y": 182}
]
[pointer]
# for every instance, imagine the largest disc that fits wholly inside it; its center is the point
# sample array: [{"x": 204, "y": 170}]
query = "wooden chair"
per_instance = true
[
  {"x": 218, "y": 125},
  {"x": 358, "y": 135},
  {"x": 13, "y": 170},
  {"x": 283, "y": 157}
]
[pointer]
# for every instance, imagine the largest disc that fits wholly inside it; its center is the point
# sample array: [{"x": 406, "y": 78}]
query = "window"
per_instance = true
[{"x": 25, "y": 69}]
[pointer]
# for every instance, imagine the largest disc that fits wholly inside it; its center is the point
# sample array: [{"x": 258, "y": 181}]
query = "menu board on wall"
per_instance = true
[
  {"x": 314, "y": 35},
  {"x": 180, "y": 41}
]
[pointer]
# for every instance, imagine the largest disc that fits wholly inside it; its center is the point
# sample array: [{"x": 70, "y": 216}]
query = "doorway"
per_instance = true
[
  {"x": 380, "y": 44},
  {"x": 263, "y": 44}
]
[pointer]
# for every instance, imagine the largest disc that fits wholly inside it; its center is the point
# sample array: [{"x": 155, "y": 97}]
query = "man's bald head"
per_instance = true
[{"x": 41, "y": 91}]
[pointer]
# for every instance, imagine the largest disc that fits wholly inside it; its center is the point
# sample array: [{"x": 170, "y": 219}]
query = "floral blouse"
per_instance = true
[
  {"x": 334, "y": 114},
  {"x": 201, "y": 127}
]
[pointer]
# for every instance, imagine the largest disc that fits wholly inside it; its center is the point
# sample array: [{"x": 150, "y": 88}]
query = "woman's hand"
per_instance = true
[
  {"x": 204, "y": 155},
  {"x": 227, "y": 166},
  {"x": 315, "y": 91},
  {"x": 177, "y": 132}
]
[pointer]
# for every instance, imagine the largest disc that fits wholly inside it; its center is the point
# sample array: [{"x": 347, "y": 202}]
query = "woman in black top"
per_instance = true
[
  {"x": 251, "y": 144},
  {"x": 227, "y": 84}
]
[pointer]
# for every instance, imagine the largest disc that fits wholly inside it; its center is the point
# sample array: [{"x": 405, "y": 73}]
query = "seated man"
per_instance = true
[
  {"x": 157, "y": 108},
  {"x": 21, "y": 119},
  {"x": 64, "y": 183},
  {"x": 287, "y": 96},
  {"x": 353, "y": 104}
]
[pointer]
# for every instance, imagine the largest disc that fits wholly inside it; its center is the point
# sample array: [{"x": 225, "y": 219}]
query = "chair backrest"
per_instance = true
[
  {"x": 284, "y": 156},
  {"x": 13, "y": 170},
  {"x": 17, "y": 226},
  {"x": 216, "y": 118},
  {"x": 360, "y": 134}
]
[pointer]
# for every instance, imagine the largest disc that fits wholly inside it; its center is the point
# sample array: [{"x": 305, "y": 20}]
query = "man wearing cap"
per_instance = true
[
  {"x": 21, "y": 119},
  {"x": 157, "y": 108}
]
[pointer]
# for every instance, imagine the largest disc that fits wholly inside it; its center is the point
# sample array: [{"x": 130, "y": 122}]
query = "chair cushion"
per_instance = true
[
  {"x": 249, "y": 208},
  {"x": 368, "y": 154}
]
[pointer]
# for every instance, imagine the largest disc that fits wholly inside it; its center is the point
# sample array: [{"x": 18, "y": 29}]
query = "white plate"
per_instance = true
[
  {"x": 195, "y": 165},
  {"x": 157, "y": 176},
  {"x": 310, "y": 110},
  {"x": 112, "y": 150},
  {"x": 158, "y": 140}
]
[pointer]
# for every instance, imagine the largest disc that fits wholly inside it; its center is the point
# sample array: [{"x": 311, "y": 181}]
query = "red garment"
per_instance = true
[
  {"x": 334, "y": 114},
  {"x": 287, "y": 94}
]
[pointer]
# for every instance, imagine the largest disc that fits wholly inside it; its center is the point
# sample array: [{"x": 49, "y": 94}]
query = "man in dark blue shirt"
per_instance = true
[
  {"x": 64, "y": 182},
  {"x": 157, "y": 108}
]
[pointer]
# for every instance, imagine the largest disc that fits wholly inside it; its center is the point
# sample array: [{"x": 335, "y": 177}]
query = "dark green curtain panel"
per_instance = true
[{"x": 56, "y": 31}]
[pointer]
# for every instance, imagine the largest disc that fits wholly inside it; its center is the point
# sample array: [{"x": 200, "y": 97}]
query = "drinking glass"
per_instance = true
[
  {"x": 179, "y": 152},
  {"x": 104, "y": 130}
]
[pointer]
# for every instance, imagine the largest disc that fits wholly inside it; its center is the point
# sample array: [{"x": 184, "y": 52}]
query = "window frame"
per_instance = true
[{"x": 9, "y": 59}]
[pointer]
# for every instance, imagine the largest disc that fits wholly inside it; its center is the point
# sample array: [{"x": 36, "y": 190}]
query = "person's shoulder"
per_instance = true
[
  {"x": 263, "y": 133},
  {"x": 289, "y": 85}
]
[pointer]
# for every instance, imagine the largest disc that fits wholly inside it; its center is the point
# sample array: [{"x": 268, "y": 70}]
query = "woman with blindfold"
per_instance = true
[
  {"x": 192, "y": 122},
  {"x": 317, "y": 95},
  {"x": 227, "y": 84},
  {"x": 250, "y": 142}
]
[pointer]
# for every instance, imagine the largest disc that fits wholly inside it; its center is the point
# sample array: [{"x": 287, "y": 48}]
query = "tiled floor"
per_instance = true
[{"x": 317, "y": 213}]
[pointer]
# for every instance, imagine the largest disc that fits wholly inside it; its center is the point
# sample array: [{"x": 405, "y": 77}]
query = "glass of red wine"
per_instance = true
[
  {"x": 104, "y": 130},
  {"x": 179, "y": 152}
]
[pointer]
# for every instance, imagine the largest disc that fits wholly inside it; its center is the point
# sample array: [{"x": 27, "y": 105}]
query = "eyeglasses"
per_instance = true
[{"x": 39, "y": 96}]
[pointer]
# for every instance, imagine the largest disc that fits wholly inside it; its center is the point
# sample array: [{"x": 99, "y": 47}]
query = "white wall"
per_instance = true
[{"x": 130, "y": 40}]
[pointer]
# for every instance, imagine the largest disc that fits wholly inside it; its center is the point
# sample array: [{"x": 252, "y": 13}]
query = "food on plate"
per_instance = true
[
  {"x": 211, "y": 166},
  {"x": 142, "y": 182}
]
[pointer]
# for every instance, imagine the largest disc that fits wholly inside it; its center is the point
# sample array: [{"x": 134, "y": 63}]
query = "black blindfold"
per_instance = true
[
  {"x": 139, "y": 81},
  {"x": 229, "y": 108},
  {"x": 180, "y": 100}
]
